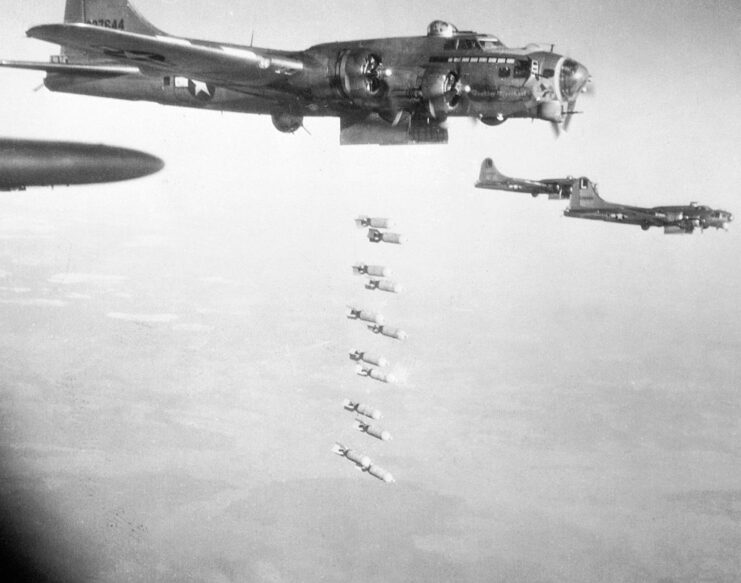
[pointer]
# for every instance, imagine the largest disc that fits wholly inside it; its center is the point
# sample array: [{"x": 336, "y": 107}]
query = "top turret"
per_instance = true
[{"x": 441, "y": 28}]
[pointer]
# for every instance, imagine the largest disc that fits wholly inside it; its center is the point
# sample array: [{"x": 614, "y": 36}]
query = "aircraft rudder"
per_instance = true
[{"x": 489, "y": 172}]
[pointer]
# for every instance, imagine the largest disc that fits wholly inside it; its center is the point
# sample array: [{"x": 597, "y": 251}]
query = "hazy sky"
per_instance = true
[{"x": 174, "y": 349}]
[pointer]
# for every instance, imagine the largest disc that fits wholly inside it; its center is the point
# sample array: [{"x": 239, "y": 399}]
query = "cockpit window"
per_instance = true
[
  {"x": 583, "y": 183},
  {"x": 491, "y": 44},
  {"x": 504, "y": 72},
  {"x": 467, "y": 44}
]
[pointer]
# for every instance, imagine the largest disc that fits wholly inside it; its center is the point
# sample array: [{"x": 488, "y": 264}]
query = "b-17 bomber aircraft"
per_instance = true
[
  {"x": 384, "y": 91},
  {"x": 585, "y": 203}
]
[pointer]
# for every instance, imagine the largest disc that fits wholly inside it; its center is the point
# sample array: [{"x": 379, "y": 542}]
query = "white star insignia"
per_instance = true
[{"x": 200, "y": 87}]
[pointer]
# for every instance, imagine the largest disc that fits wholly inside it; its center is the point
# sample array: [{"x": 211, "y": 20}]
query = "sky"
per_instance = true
[{"x": 173, "y": 350}]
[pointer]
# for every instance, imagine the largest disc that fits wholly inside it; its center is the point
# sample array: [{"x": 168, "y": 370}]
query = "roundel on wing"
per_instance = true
[{"x": 201, "y": 90}]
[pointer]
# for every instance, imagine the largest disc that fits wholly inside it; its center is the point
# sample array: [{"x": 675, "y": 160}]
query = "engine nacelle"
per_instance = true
[
  {"x": 286, "y": 122},
  {"x": 442, "y": 92},
  {"x": 362, "y": 77},
  {"x": 551, "y": 111}
]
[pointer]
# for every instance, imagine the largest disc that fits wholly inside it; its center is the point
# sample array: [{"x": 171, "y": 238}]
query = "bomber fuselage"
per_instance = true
[{"x": 458, "y": 74}]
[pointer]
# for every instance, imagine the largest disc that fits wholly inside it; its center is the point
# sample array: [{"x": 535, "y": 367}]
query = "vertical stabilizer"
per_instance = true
[
  {"x": 115, "y": 14},
  {"x": 584, "y": 196},
  {"x": 489, "y": 173}
]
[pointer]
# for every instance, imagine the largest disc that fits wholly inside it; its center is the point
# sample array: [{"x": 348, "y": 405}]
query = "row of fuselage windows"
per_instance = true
[
  {"x": 518, "y": 69},
  {"x": 508, "y": 67}
]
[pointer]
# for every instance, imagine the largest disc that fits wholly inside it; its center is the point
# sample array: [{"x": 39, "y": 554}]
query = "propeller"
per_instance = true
[
  {"x": 452, "y": 91},
  {"x": 570, "y": 112},
  {"x": 374, "y": 74},
  {"x": 569, "y": 115}
]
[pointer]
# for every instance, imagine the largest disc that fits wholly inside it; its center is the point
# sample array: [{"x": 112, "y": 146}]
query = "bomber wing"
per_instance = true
[
  {"x": 225, "y": 65},
  {"x": 618, "y": 213}
]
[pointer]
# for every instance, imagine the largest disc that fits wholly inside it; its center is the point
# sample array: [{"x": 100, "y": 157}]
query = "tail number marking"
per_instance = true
[{"x": 108, "y": 23}]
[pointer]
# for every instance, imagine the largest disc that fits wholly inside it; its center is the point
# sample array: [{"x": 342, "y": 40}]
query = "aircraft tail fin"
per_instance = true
[
  {"x": 489, "y": 173},
  {"x": 584, "y": 196},
  {"x": 115, "y": 14}
]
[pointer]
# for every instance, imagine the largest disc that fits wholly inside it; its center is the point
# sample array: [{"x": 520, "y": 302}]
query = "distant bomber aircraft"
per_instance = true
[
  {"x": 585, "y": 203},
  {"x": 384, "y": 91},
  {"x": 25, "y": 163}
]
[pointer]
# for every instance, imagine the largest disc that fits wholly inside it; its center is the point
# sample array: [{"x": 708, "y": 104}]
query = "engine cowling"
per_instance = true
[
  {"x": 362, "y": 78},
  {"x": 287, "y": 122},
  {"x": 443, "y": 92}
]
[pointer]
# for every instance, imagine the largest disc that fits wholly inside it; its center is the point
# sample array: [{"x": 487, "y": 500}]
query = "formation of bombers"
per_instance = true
[
  {"x": 586, "y": 203},
  {"x": 371, "y": 365},
  {"x": 383, "y": 91}
]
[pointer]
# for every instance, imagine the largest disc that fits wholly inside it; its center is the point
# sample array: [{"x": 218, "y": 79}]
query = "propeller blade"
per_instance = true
[
  {"x": 569, "y": 115},
  {"x": 567, "y": 123},
  {"x": 556, "y": 129}
]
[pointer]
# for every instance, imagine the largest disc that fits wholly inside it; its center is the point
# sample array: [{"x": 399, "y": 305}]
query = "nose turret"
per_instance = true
[{"x": 573, "y": 78}]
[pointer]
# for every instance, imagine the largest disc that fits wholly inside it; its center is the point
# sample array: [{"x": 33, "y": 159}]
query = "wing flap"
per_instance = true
[{"x": 224, "y": 65}]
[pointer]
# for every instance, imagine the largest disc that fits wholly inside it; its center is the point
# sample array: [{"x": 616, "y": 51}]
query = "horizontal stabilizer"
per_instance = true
[{"x": 73, "y": 69}]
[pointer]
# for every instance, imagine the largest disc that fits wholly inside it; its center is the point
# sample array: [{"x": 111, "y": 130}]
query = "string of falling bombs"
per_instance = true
[{"x": 371, "y": 365}]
